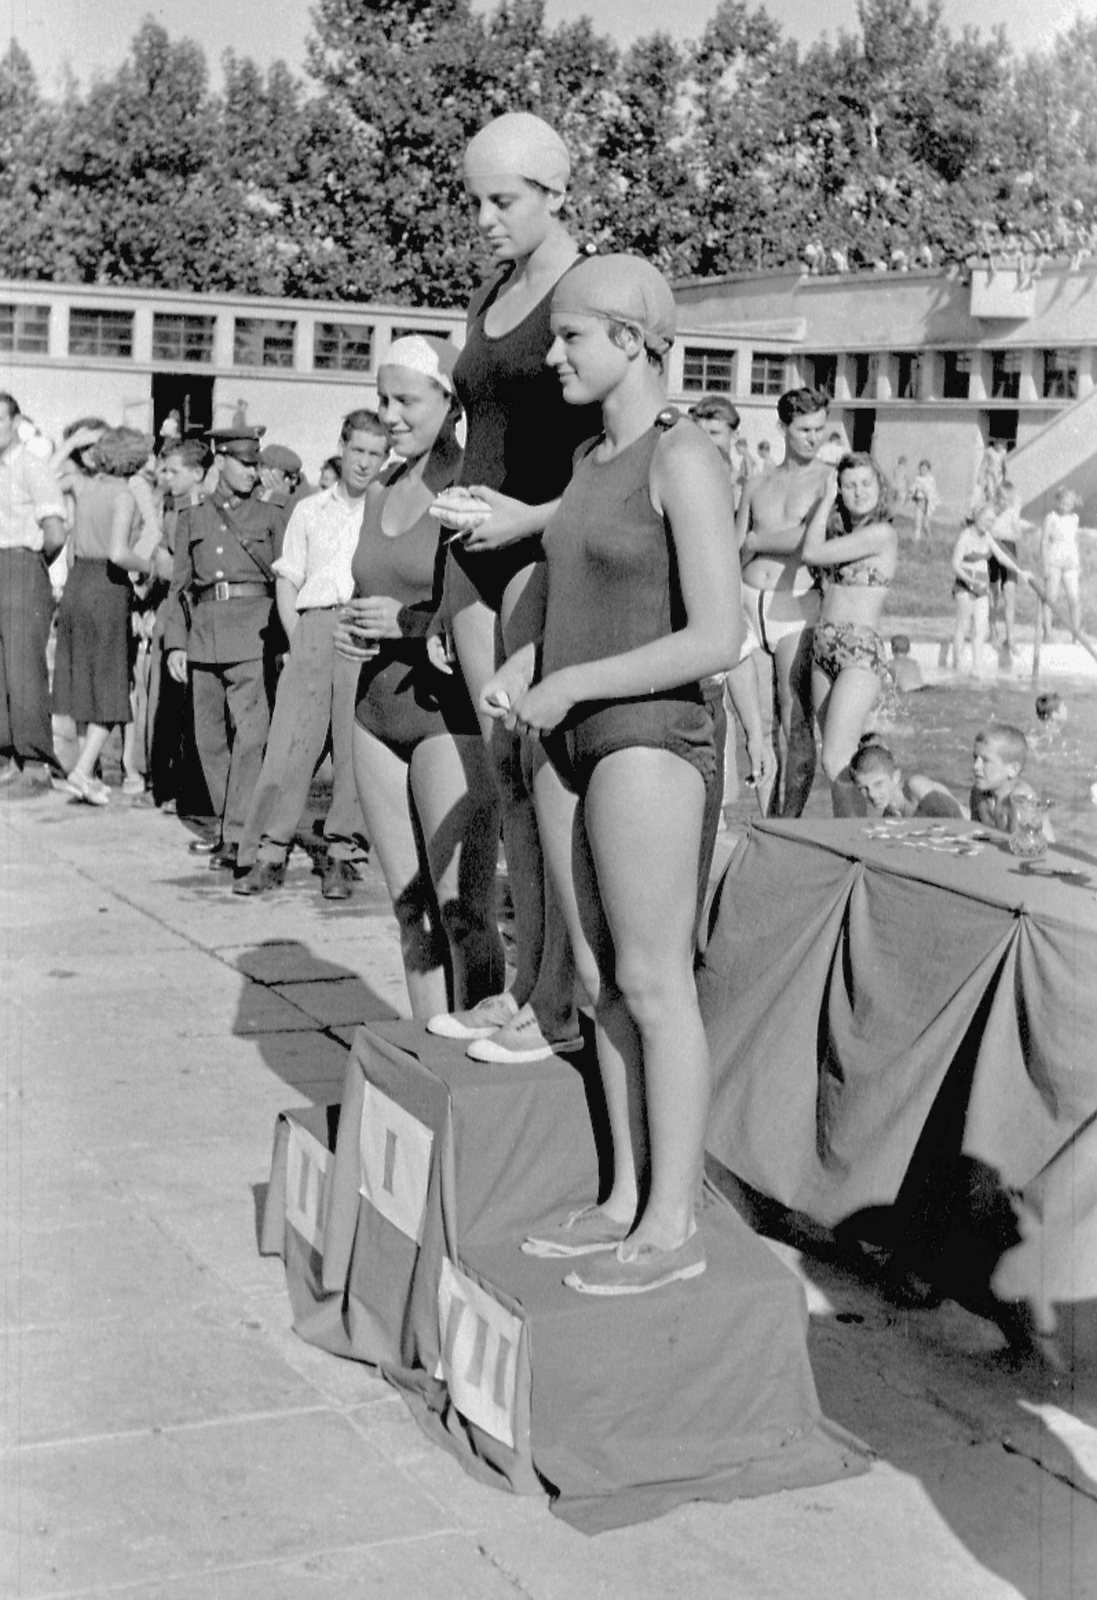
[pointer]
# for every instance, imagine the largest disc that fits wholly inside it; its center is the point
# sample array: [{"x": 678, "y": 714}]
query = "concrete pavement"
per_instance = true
[{"x": 167, "y": 1436}]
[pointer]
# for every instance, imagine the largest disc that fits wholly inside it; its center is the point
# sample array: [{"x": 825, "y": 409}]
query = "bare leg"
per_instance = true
[
  {"x": 980, "y": 630},
  {"x": 844, "y": 711},
  {"x": 1074, "y": 598},
  {"x": 1009, "y": 606},
  {"x": 963, "y": 619},
  {"x": 646, "y": 806},
  {"x": 91, "y": 748},
  {"x": 792, "y": 664},
  {"x": 457, "y": 810},
  {"x": 383, "y": 793}
]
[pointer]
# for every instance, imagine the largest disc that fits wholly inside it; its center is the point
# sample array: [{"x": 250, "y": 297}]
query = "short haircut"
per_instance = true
[
  {"x": 194, "y": 453},
  {"x": 801, "y": 403},
  {"x": 120, "y": 452},
  {"x": 900, "y": 644},
  {"x": 715, "y": 406},
  {"x": 11, "y": 403},
  {"x": 928, "y": 465},
  {"x": 360, "y": 421},
  {"x": 332, "y": 464},
  {"x": 872, "y": 756},
  {"x": 84, "y": 422},
  {"x": 1047, "y": 705},
  {"x": 1009, "y": 741}
]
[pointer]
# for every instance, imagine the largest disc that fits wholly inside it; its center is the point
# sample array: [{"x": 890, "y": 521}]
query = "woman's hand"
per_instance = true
[
  {"x": 544, "y": 706},
  {"x": 350, "y": 637},
  {"x": 440, "y": 651},
  {"x": 506, "y": 687},
  {"x": 509, "y": 521}
]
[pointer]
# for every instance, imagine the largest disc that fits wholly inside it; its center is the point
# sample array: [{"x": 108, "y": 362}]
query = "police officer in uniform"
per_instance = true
[{"x": 225, "y": 542}]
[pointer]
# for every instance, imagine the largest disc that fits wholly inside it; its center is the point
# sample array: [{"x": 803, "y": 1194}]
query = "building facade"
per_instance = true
[{"x": 922, "y": 365}]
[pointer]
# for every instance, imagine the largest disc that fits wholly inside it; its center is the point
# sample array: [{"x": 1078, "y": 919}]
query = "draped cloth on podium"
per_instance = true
[
  {"x": 400, "y": 1215},
  {"x": 884, "y": 1003}
]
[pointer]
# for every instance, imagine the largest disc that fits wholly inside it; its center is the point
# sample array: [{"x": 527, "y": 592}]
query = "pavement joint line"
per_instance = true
[
  {"x": 169, "y": 1430},
  {"x": 140, "y": 1586}
]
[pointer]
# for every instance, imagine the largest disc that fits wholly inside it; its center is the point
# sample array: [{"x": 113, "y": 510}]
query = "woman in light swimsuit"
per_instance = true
[
  {"x": 971, "y": 588},
  {"x": 851, "y": 541},
  {"x": 638, "y": 587}
]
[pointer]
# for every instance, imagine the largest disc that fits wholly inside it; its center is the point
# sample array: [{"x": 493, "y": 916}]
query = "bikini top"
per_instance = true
[{"x": 860, "y": 573}]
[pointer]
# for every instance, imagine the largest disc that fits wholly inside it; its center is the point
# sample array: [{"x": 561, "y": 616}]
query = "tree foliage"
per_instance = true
[{"x": 898, "y": 144}]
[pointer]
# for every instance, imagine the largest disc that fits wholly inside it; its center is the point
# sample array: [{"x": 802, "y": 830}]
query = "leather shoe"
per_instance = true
[
  {"x": 203, "y": 845},
  {"x": 223, "y": 858},
  {"x": 262, "y": 876},
  {"x": 338, "y": 880}
]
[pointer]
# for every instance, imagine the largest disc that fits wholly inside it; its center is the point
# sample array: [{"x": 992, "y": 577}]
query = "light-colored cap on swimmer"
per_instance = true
[
  {"x": 519, "y": 145},
  {"x": 621, "y": 289},
  {"x": 420, "y": 353}
]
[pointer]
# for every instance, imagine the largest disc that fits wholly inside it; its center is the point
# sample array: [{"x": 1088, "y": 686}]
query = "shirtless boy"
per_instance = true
[{"x": 779, "y": 596}]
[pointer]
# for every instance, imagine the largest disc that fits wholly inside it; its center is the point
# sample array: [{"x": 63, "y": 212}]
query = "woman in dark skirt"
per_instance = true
[{"x": 91, "y": 681}]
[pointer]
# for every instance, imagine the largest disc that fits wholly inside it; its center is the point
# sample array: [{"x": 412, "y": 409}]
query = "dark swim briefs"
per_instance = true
[{"x": 684, "y": 726}]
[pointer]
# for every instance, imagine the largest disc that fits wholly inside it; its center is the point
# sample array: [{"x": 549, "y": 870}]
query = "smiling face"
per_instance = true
[
  {"x": 584, "y": 357},
  {"x": 804, "y": 434},
  {"x": 362, "y": 456},
  {"x": 859, "y": 488},
  {"x": 512, "y": 215},
  {"x": 413, "y": 409}
]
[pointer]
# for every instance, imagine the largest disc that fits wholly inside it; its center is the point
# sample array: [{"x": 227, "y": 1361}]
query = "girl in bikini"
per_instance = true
[
  {"x": 971, "y": 588},
  {"x": 852, "y": 542},
  {"x": 636, "y": 594}
]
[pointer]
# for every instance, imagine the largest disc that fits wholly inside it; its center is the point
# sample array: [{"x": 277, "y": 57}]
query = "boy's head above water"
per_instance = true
[{"x": 999, "y": 757}]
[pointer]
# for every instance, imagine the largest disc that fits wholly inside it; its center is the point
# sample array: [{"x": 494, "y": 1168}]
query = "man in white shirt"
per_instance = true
[
  {"x": 32, "y": 528},
  {"x": 316, "y": 688}
]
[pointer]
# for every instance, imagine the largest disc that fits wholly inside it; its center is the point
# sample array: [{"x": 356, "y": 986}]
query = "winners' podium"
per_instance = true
[{"x": 399, "y": 1215}]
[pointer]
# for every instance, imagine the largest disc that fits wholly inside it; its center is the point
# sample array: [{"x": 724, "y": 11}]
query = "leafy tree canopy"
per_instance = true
[{"x": 899, "y": 144}]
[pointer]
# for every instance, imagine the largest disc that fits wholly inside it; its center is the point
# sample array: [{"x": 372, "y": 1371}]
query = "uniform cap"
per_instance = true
[
  {"x": 519, "y": 145},
  {"x": 281, "y": 457},
  {"x": 243, "y": 443},
  {"x": 620, "y": 288},
  {"x": 421, "y": 353}
]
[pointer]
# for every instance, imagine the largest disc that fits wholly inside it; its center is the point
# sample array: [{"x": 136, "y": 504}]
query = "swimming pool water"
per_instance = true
[{"x": 933, "y": 732}]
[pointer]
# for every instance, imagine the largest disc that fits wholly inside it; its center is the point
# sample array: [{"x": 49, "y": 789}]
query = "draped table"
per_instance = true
[{"x": 903, "y": 1020}]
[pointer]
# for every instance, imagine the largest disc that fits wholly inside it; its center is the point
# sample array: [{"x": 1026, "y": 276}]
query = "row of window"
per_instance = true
[
  {"x": 348, "y": 347},
  {"x": 257, "y": 341},
  {"x": 711, "y": 372}
]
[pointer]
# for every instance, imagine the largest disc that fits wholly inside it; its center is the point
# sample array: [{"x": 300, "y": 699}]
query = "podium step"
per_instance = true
[{"x": 401, "y": 1217}]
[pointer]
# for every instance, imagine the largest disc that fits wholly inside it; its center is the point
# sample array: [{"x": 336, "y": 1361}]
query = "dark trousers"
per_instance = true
[
  {"x": 26, "y": 606},
  {"x": 231, "y": 719}
]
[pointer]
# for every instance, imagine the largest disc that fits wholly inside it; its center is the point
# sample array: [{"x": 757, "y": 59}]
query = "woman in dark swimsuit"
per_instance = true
[
  {"x": 518, "y": 455},
  {"x": 640, "y": 603},
  {"x": 851, "y": 541},
  {"x": 422, "y": 772}
]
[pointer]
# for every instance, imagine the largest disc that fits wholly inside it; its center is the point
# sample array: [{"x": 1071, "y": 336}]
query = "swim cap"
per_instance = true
[
  {"x": 621, "y": 289},
  {"x": 420, "y": 353},
  {"x": 519, "y": 145}
]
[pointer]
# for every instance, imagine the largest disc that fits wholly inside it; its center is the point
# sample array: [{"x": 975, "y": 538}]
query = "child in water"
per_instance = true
[
  {"x": 876, "y": 773},
  {"x": 905, "y": 672},
  {"x": 998, "y": 760}
]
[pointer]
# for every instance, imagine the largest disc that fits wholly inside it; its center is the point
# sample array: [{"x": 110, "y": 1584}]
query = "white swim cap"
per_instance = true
[{"x": 520, "y": 145}]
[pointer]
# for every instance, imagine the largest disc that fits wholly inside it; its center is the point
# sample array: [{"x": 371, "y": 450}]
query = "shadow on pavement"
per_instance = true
[{"x": 956, "y": 1392}]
